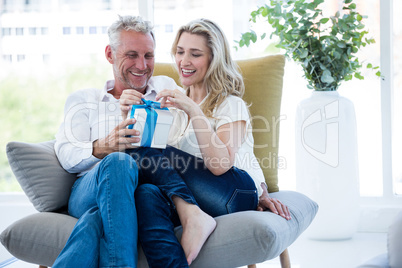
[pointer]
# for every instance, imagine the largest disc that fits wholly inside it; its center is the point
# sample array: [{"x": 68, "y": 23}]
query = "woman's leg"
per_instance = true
[
  {"x": 110, "y": 187},
  {"x": 230, "y": 192},
  {"x": 197, "y": 227},
  {"x": 155, "y": 168},
  {"x": 156, "y": 221}
]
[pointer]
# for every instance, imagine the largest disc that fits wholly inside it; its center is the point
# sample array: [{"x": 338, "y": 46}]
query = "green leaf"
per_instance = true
[
  {"x": 264, "y": 12},
  {"x": 263, "y": 36},
  {"x": 326, "y": 77},
  {"x": 341, "y": 44},
  {"x": 318, "y": 2},
  {"x": 301, "y": 12},
  {"x": 324, "y": 20},
  {"x": 348, "y": 77},
  {"x": 253, "y": 36},
  {"x": 359, "y": 76},
  {"x": 303, "y": 53},
  {"x": 369, "y": 66},
  {"x": 278, "y": 9},
  {"x": 337, "y": 55}
]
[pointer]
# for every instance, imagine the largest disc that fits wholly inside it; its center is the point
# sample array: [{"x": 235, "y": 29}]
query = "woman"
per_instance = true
[{"x": 216, "y": 147}]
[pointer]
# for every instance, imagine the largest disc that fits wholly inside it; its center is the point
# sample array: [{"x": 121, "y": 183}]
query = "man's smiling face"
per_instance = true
[{"x": 133, "y": 61}]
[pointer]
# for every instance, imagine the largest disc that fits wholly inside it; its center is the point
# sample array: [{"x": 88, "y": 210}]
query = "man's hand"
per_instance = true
[
  {"x": 127, "y": 99},
  {"x": 274, "y": 205},
  {"x": 120, "y": 139}
]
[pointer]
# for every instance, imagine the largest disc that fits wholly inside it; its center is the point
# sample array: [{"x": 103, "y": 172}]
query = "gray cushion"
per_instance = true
[
  {"x": 40, "y": 175},
  {"x": 239, "y": 239},
  {"x": 38, "y": 238}
]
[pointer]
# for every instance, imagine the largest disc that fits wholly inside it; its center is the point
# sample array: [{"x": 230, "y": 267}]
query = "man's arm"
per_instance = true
[
  {"x": 75, "y": 149},
  {"x": 73, "y": 146}
]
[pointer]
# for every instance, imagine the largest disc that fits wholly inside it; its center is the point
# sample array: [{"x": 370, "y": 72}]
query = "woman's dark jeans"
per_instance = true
[{"x": 168, "y": 172}]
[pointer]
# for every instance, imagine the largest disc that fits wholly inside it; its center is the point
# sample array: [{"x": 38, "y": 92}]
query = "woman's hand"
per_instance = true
[
  {"x": 176, "y": 98},
  {"x": 274, "y": 205},
  {"x": 127, "y": 99}
]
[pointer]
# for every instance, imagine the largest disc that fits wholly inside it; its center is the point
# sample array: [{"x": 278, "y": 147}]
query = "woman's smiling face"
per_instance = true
[{"x": 193, "y": 57}]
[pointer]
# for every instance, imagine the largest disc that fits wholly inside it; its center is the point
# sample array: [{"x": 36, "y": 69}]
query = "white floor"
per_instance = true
[{"x": 306, "y": 253}]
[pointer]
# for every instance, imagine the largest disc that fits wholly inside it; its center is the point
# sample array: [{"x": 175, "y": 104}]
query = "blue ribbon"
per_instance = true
[{"x": 150, "y": 122}]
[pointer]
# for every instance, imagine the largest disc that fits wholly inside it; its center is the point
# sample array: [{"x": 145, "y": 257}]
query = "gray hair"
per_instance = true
[{"x": 128, "y": 23}]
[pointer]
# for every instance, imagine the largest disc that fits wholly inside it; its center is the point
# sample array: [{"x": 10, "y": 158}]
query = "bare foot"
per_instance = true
[
  {"x": 197, "y": 227},
  {"x": 196, "y": 230}
]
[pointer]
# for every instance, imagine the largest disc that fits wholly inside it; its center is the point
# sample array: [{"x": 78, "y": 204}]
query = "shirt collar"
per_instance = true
[
  {"x": 151, "y": 90},
  {"x": 105, "y": 96}
]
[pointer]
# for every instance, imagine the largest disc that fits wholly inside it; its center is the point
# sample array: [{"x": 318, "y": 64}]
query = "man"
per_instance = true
[{"x": 91, "y": 141}]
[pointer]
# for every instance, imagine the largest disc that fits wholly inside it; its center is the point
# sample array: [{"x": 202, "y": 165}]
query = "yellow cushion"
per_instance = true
[{"x": 263, "y": 78}]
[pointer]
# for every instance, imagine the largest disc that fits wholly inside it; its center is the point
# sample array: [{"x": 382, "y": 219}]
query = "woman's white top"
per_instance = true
[{"x": 231, "y": 110}]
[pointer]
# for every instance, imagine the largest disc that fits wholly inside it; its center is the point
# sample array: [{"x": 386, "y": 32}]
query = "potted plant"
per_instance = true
[
  {"x": 325, "y": 47},
  {"x": 325, "y": 129}
]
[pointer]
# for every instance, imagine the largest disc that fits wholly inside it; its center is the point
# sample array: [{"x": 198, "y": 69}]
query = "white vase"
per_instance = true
[{"x": 327, "y": 163}]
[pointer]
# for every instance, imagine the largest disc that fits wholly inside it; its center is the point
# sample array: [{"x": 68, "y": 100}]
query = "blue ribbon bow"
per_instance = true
[{"x": 150, "y": 122}]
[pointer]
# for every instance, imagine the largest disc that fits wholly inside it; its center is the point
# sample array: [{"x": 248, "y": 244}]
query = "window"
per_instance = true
[
  {"x": 92, "y": 30},
  {"x": 44, "y": 30},
  {"x": 168, "y": 28},
  {"x": 32, "y": 30},
  {"x": 20, "y": 58},
  {"x": 46, "y": 58},
  {"x": 66, "y": 30},
  {"x": 79, "y": 30},
  {"x": 19, "y": 31},
  {"x": 8, "y": 58},
  {"x": 6, "y": 31},
  {"x": 104, "y": 29}
]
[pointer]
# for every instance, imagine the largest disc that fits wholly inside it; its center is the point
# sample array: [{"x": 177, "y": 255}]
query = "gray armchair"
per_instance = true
[{"x": 240, "y": 239}]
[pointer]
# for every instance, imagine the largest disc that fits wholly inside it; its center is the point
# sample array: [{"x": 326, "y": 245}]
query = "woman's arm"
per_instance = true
[{"x": 218, "y": 148}]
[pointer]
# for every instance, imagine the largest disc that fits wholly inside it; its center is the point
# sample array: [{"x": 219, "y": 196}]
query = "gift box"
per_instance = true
[{"x": 153, "y": 122}]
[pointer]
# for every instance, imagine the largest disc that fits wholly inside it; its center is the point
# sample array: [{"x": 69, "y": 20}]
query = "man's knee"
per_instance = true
[{"x": 121, "y": 165}]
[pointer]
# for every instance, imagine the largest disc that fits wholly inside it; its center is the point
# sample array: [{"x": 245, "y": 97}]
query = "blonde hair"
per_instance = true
[{"x": 223, "y": 77}]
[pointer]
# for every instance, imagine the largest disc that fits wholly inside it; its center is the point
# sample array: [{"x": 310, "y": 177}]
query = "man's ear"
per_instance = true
[{"x": 109, "y": 54}]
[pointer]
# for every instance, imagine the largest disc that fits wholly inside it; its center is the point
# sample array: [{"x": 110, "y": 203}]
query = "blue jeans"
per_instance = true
[
  {"x": 216, "y": 195},
  {"x": 106, "y": 232}
]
